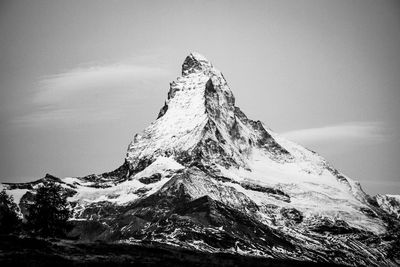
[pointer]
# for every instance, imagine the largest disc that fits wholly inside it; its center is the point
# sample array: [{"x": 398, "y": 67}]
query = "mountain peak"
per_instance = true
[
  {"x": 199, "y": 121},
  {"x": 195, "y": 62},
  {"x": 203, "y": 164}
]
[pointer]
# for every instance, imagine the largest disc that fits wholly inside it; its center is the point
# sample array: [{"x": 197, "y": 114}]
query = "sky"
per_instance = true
[{"x": 79, "y": 78}]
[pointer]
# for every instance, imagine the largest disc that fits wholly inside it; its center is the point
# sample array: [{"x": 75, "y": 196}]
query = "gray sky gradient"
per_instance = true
[{"x": 79, "y": 78}]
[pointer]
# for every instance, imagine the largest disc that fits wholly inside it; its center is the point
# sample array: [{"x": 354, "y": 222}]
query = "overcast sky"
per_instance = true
[{"x": 79, "y": 78}]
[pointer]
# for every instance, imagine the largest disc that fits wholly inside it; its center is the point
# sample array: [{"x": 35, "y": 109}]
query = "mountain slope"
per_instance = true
[{"x": 206, "y": 177}]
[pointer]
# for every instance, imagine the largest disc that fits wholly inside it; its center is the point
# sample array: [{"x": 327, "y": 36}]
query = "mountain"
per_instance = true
[{"x": 203, "y": 176}]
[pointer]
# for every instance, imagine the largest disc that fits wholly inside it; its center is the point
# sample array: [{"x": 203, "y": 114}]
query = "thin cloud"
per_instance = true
[
  {"x": 352, "y": 131},
  {"x": 91, "y": 93},
  {"x": 56, "y": 87}
]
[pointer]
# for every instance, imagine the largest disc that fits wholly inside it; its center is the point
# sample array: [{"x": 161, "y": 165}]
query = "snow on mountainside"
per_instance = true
[
  {"x": 206, "y": 177},
  {"x": 200, "y": 108}
]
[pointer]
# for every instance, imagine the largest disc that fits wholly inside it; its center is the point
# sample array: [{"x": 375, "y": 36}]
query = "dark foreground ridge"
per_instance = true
[{"x": 15, "y": 251}]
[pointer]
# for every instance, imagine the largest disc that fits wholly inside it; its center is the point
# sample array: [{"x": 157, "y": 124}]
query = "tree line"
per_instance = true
[{"x": 47, "y": 215}]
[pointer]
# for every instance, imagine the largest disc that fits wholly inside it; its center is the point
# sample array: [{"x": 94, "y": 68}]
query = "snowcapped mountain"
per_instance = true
[{"x": 204, "y": 176}]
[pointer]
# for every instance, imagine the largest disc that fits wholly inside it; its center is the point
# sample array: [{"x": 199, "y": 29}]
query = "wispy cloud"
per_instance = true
[
  {"x": 90, "y": 93},
  {"x": 77, "y": 81},
  {"x": 352, "y": 131}
]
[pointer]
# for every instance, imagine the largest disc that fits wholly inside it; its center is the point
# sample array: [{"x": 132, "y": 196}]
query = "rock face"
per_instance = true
[
  {"x": 389, "y": 203},
  {"x": 204, "y": 176}
]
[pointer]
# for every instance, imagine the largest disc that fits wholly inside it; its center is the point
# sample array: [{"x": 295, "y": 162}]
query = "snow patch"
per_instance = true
[
  {"x": 17, "y": 194},
  {"x": 160, "y": 165}
]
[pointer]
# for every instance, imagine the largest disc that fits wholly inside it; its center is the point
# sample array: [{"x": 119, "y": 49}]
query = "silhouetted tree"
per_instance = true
[
  {"x": 49, "y": 213},
  {"x": 9, "y": 220}
]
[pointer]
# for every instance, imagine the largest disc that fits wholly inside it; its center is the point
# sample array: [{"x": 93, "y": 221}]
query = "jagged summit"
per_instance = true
[
  {"x": 200, "y": 122},
  {"x": 195, "y": 62},
  {"x": 199, "y": 106}
]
